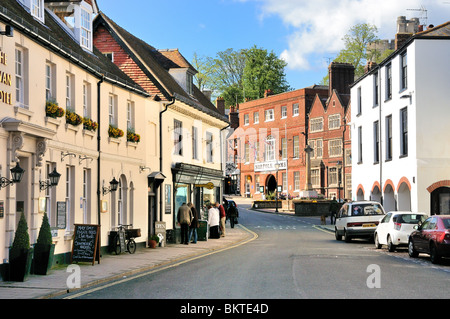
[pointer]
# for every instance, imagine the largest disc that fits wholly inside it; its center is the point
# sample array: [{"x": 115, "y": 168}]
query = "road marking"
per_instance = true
[{"x": 176, "y": 264}]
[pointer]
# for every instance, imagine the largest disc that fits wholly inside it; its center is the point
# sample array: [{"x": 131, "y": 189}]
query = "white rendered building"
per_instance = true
[{"x": 400, "y": 122}]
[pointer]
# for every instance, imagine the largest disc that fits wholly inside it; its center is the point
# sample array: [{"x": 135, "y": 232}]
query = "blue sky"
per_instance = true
[{"x": 305, "y": 33}]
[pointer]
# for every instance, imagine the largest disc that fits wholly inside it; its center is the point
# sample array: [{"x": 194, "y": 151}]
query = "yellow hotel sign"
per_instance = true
[
  {"x": 5, "y": 79},
  {"x": 207, "y": 185}
]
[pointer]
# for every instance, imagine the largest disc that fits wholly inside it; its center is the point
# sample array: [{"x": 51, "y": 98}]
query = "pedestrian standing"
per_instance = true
[
  {"x": 194, "y": 224},
  {"x": 184, "y": 219},
  {"x": 213, "y": 222},
  {"x": 232, "y": 214},
  {"x": 223, "y": 218}
]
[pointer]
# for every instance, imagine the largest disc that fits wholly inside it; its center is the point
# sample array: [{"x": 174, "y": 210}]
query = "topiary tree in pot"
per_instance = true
[
  {"x": 44, "y": 248},
  {"x": 20, "y": 254}
]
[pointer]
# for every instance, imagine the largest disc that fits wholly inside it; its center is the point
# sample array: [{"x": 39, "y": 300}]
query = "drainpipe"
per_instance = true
[
  {"x": 161, "y": 156},
  {"x": 221, "y": 156},
  {"x": 98, "y": 150}
]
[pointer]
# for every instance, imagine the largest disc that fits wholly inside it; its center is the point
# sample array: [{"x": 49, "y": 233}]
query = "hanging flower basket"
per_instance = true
[
  {"x": 89, "y": 124},
  {"x": 73, "y": 118},
  {"x": 53, "y": 110},
  {"x": 133, "y": 137},
  {"x": 114, "y": 132}
]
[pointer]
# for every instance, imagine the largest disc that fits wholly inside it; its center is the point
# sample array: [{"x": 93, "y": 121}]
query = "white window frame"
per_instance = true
[
  {"x": 20, "y": 76},
  {"x": 315, "y": 177},
  {"x": 37, "y": 9},
  {"x": 297, "y": 181},
  {"x": 70, "y": 96},
  {"x": 295, "y": 109},
  {"x": 283, "y": 111},
  {"x": 256, "y": 118},
  {"x": 87, "y": 100},
  {"x": 86, "y": 29},
  {"x": 246, "y": 119},
  {"x": 335, "y": 147},
  {"x": 296, "y": 146},
  {"x": 130, "y": 115},
  {"x": 316, "y": 124},
  {"x": 269, "y": 149},
  {"x": 334, "y": 122},
  {"x": 112, "y": 109},
  {"x": 269, "y": 115}
]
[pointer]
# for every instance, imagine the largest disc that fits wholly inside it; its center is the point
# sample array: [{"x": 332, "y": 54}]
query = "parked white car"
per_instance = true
[
  {"x": 394, "y": 229},
  {"x": 358, "y": 220}
]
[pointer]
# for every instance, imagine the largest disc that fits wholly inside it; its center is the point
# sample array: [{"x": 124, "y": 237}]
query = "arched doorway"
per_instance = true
[
  {"x": 271, "y": 184},
  {"x": 440, "y": 201},
  {"x": 404, "y": 197},
  {"x": 389, "y": 199}
]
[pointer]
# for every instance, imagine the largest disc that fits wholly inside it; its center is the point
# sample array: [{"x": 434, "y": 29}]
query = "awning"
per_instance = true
[{"x": 193, "y": 174}]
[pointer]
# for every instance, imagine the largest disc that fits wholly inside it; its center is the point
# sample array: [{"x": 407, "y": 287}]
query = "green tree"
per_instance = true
[
  {"x": 263, "y": 71},
  {"x": 355, "y": 48},
  {"x": 237, "y": 75}
]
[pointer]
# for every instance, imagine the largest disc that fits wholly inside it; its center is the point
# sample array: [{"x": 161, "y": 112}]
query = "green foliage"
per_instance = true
[
  {"x": 355, "y": 49},
  {"x": 263, "y": 71},
  {"x": 45, "y": 234},
  {"x": 155, "y": 238},
  {"x": 240, "y": 75},
  {"x": 21, "y": 239}
]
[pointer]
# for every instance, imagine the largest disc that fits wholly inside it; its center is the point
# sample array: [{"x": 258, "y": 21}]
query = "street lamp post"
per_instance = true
[{"x": 277, "y": 166}]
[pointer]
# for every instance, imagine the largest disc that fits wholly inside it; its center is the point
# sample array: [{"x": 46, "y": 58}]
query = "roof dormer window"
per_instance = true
[
  {"x": 36, "y": 8},
  {"x": 86, "y": 29},
  {"x": 77, "y": 17},
  {"x": 190, "y": 83}
]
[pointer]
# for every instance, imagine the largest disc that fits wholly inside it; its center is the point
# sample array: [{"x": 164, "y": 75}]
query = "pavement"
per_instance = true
[{"x": 61, "y": 279}]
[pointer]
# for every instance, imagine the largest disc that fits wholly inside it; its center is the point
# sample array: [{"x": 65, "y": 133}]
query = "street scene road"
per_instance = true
[{"x": 291, "y": 258}]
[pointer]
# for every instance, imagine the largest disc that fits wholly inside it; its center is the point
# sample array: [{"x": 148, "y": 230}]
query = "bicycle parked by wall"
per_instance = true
[{"x": 124, "y": 239}]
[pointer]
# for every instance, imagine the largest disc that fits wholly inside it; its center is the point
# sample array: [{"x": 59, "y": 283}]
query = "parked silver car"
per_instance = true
[{"x": 358, "y": 219}]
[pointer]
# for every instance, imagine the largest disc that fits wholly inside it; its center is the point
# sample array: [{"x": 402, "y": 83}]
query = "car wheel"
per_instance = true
[
  {"x": 434, "y": 256},
  {"x": 377, "y": 242},
  {"x": 412, "y": 252},
  {"x": 347, "y": 237},
  {"x": 336, "y": 234},
  {"x": 391, "y": 246}
]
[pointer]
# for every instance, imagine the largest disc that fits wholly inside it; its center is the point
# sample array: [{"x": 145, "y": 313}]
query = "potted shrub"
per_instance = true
[
  {"x": 20, "y": 254},
  {"x": 154, "y": 240},
  {"x": 44, "y": 249}
]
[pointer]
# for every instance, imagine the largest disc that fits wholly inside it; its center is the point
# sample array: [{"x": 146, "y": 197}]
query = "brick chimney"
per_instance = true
[
  {"x": 369, "y": 66},
  {"x": 220, "y": 105},
  {"x": 267, "y": 93},
  {"x": 341, "y": 76},
  {"x": 233, "y": 117}
]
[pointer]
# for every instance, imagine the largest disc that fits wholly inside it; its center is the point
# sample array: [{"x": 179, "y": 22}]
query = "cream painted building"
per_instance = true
[
  {"x": 47, "y": 59},
  {"x": 191, "y": 128}
]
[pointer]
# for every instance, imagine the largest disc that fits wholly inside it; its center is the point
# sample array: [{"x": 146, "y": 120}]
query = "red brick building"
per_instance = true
[{"x": 269, "y": 144}]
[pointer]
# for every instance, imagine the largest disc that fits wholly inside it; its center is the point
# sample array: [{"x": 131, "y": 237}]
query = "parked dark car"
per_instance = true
[{"x": 432, "y": 237}]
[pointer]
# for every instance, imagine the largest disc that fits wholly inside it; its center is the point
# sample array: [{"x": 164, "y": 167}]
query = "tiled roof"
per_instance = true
[
  {"x": 158, "y": 63},
  {"x": 12, "y": 12},
  {"x": 442, "y": 30}
]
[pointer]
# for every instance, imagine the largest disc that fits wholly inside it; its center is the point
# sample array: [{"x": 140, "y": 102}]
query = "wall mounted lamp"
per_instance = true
[
  {"x": 113, "y": 187},
  {"x": 53, "y": 180},
  {"x": 143, "y": 168},
  {"x": 9, "y": 31},
  {"x": 16, "y": 173}
]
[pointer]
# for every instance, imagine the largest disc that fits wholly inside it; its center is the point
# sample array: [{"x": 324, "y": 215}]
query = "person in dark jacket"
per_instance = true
[
  {"x": 194, "y": 224},
  {"x": 184, "y": 219},
  {"x": 232, "y": 214}
]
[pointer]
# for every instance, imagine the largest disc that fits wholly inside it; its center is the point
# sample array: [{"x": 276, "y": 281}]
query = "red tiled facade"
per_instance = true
[
  {"x": 107, "y": 44},
  {"x": 277, "y": 129}
]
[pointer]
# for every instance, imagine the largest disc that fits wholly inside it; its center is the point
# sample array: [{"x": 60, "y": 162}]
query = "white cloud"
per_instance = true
[{"x": 319, "y": 26}]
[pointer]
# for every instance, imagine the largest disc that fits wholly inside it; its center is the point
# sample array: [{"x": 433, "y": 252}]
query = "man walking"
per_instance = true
[
  {"x": 223, "y": 218},
  {"x": 184, "y": 219}
]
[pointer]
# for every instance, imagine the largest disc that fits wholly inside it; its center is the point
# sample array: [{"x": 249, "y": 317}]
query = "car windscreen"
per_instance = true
[
  {"x": 366, "y": 210},
  {"x": 446, "y": 222},
  {"x": 410, "y": 218}
]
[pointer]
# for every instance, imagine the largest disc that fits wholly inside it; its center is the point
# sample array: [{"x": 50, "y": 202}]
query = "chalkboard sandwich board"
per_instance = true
[{"x": 85, "y": 244}]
